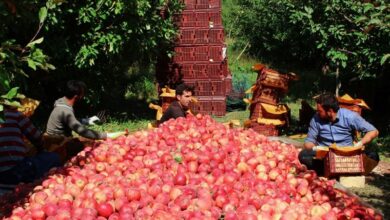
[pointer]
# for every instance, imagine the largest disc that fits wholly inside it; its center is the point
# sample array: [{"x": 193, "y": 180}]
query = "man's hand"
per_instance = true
[
  {"x": 315, "y": 148},
  {"x": 358, "y": 144},
  {"x": 91, "y": 121}
]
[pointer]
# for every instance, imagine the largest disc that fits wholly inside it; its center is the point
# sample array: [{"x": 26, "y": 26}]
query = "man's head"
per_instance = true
[
  {"x": 75, "y": 89},
  {"x": 327, "y": 106},
  {"x": 184, "y": 94}
]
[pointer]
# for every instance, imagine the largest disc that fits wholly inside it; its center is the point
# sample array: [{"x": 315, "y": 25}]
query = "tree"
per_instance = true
[
  {"x": 348, "y": 39},
  {"x": 352, "y": 36},
  {"x": 110, "y": 44},
  {"x": 15, "y": 59}
]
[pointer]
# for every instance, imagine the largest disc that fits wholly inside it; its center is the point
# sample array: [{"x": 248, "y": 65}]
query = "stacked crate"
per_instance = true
[
  {"x": 356, "y": 105},
  {"x": 266, "y": 114},
  {"x": 200, "y": 56}
]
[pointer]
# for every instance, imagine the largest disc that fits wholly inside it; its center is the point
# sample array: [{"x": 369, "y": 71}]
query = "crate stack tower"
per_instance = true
[
  {"x": 200, "y": 56},
  {"x": 267, "y": 115}
]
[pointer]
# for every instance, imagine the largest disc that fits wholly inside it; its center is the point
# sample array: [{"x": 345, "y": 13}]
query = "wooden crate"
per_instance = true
[
  {"x": 274, "y": 79},
  {"x": 266, "y": 95},
  {"x": 267, "y": 130},
  {"x": 354, "y": 108},
  {"x": 255, "y": 111},
  {"x": 337, "y": 164}
]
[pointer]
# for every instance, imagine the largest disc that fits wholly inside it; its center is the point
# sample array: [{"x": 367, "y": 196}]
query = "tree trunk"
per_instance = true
[{"x": 338, "y": 82}]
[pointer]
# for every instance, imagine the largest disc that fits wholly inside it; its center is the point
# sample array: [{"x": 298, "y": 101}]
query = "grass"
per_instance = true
[{"x": 116, "y": 125}]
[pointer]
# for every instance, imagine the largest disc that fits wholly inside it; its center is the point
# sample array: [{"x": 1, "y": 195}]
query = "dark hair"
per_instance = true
[
  {"x": 74, "y": 87},
  {"x": 328, "y": 101},
  {"x": 184, "y": 87}
]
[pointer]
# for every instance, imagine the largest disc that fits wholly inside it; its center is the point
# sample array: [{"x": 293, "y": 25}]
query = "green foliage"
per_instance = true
[
  {"x": 15, "y": 59},
  {"x": 94, "y": 41},
  {"x": 381, "y": 145},
  {"x": 10, "y": 99},
  {"x": 105, "y": 29},
  {"x": 143, "y": 86},
  {"x": 352, "y": 36},
  {"x": 102, "y": 41}
]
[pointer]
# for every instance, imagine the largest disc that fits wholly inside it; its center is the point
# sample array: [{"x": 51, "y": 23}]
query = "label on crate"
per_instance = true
[
  {"x": 344, "y": 159},
  {"x": 347, "y": 170},
  {"x": 346, "y": 164}
]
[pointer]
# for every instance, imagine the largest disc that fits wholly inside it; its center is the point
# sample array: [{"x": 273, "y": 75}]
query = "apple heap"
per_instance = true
[{"x": 188, "y": 168}]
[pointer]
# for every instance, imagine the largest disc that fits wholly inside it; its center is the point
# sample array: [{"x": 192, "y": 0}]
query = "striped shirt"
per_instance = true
[{"x": 12, "y": 147}]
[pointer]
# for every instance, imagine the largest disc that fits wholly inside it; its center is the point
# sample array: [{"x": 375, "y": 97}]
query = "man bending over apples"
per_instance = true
[
  {"x": 180, "y": 106},
  {"x": 62, "y": 120},
  {"x": 334, "y": 125}
]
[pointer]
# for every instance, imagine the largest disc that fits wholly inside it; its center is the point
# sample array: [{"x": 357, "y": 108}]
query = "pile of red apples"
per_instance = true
[{"x": 188, "y": 168}]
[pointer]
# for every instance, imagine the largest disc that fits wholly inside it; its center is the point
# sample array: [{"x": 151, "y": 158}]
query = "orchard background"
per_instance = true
[{"x": 339, "y": 46}]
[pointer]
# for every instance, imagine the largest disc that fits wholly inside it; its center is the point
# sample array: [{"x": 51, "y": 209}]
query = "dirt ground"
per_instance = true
[{"x": 377, "y": 189}]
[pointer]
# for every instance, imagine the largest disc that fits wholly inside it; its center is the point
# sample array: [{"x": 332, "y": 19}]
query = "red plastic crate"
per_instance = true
[
  {"x": 187, "y": 70},
  {"x": 215, "y": 19},
  {"x": 186, "y": 36},
  {"x": 337, "y": 164},
  {"x": 219, "y": 106},
  {"x": 200, "y": 70},
  {"x": 228, "y": 84},
  {"x": 189, "y": 4},
  {"x": 218, "y": 87},
  {"x": 191, "y": 83},
  {"x": 210, "y": 105},
  {"x": 225, "y": 70},
  {"x": 214, "y": 3},
  {"x": 203, "y": 88},
  {"x": 267, "y": 95},
  {"x": 214, "y": 70},
  {"x": 202, "y": 19},
  {"x": 255, "y": 111},
  {"x": 206, "y": 106},
  {"x": 202, "y": 4},
  {"x": 216, "y": 53},
  {"x": 186, "y": 19},
  {"x": 274, "y": 79},
  {"x": 267, "y": 130},
  {"x": 207, "y": 70},
  {"x": 201, "y": 53},
  {"x": 216, "y": 36},
  {"x": 184, "y": 54},
  {"x": 201, "y": 36},
  {"x": 206, "y": 4},
  {"x": 202, "y": 107}
]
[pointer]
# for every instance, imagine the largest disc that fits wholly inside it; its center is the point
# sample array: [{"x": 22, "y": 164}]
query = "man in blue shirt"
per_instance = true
[{"x": 332, "y": 124}]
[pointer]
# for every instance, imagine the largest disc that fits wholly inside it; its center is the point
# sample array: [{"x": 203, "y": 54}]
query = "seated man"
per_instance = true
[
  {"x": 332, "y": 124},
  {"x": 62, "y": 120},
  {"x": 179, "y": 107},
  {"x": 15, "y": 167}
]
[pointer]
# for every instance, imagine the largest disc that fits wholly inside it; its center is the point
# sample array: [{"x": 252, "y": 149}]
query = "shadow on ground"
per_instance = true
[{"x": 376, "y": 192}]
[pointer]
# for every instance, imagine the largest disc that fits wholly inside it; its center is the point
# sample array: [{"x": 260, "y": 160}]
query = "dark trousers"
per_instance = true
[
  {"x": 307, "y": 157},
  {"x": 30, "y": 168}
]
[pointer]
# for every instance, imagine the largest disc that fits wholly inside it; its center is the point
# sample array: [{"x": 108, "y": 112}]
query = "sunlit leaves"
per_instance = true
[
  {"x": 349, "y": 35},
  {"x": 110, "y": 27},
  {"x": 42, "y": 14}
]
